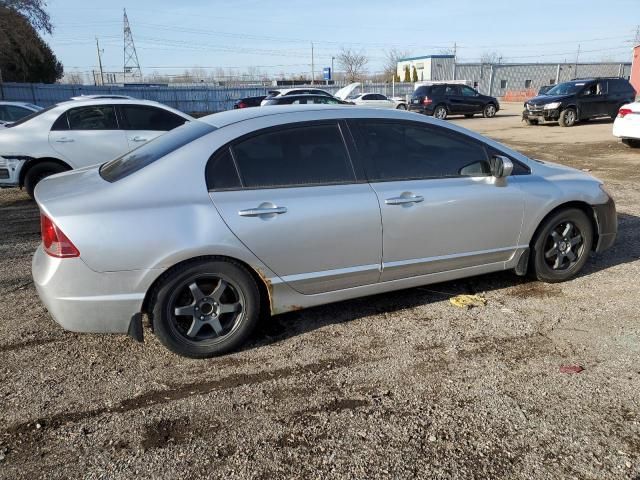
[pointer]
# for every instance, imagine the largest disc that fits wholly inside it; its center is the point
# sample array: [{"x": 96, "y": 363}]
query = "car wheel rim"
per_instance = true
[
  {"x": 564, "y": 246},
  {"x": 206, "y": 308},
  {"x": 441, "y": 113},
  {"x": 491, "y": 111},
  {"x": 570, "y": 117}
]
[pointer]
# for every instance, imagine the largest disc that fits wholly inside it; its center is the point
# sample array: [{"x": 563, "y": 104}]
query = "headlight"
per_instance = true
[{"x": 552, "y": 106}]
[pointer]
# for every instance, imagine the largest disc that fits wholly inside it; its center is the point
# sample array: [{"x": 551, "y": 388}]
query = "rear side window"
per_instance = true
[
  {"x": 619, "y": 86},
  {"x": 97, "y": 117},
  {"x": 138, "y": 117},
  {"x": 298, "y": 156},
  {"x": 155, "y": 149},
  {"x": 405, "y": 151},
  {"x": 221, "y": 173}
]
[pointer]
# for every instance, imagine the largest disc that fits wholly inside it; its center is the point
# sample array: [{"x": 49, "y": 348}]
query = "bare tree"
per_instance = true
[
  {"x": 391, "y": 61},
  {"x": 33, "y": 10},
  {"x": 491, "y": 57},
  {"x": 352, "y": 63},
  {"x": 74, "y": 78}
]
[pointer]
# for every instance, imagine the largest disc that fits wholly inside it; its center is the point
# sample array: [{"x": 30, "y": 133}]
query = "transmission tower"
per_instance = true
[{"x": 131, "y": 63}]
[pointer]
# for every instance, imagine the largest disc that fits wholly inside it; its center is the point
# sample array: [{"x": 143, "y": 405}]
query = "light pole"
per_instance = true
[{"x": 332, "y": 59}]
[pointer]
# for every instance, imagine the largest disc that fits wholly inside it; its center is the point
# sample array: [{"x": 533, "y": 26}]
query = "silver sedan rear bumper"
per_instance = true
[{"x": 82, "y": 300}]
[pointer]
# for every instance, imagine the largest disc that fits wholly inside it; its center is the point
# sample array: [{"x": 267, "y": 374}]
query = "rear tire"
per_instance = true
[
  {"x": 489, "y": 111},
  {"x": 561, "y": 245},
  {"x": 402, "y": 106},
  {"x": 440, "y": 112},
  {"x": 631, "y": 142},
  {"x": 568, "y": 117},
  {"x": 206, "y": 308},
  {"x": 39, "y": 171}
]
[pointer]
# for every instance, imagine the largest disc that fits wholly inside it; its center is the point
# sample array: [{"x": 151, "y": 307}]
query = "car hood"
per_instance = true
[
  {"x": 544, "y": 99},
  {"x": 344, "y": 92}
]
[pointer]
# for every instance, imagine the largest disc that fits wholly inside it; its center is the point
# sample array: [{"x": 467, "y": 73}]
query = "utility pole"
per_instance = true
[
  {"x": 332, "y": 72},
  {"x": 455, "y": 59},
  {"x": 100, "y": 62},
  {"x": 575, "y": 69},
  {"x": 313, "y": 70}
]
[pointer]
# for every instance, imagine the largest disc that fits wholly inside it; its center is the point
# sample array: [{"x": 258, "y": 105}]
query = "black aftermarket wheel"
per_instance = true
[{"x": 206, "y": 308}]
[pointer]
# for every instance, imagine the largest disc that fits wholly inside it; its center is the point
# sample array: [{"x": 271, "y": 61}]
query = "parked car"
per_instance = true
[
  {"x": 626, "y": 126},
  {"x": 283, "y": 92},
  {"x": 249, "y": 102},
  {"x": 77, "y": 134},
  {"x": 13, "y": 111},
  {"x": 583, "y": 99},
  {"x": 279, "y": 209},
  {"x": 305, "y": 100},
  {"x": 367, "y": 99},
  {"x": 444, "y": 99}
]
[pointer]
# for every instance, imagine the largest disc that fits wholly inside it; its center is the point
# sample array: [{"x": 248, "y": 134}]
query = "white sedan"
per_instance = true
[
  {"x": 13, "y": 111},
  {"x": 78, "y": 134},
  {"x": 627, "y": 124},
  {"x": 378, "y": 100}
]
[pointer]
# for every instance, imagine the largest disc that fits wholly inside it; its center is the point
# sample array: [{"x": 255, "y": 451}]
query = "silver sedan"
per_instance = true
[{"x": 272, "y": 210}]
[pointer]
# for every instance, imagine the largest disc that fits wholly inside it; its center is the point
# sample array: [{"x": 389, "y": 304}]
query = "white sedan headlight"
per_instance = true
[{"x": 552, "y": 106}]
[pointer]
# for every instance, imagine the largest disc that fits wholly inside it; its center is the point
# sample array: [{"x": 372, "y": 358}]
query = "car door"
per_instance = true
[
  {"x": 472, "y": 103},
  {"x": 454, "y": 99},
  {"x": 594, "y": 101},
  {"x": 299, "y": 206},
  {"x": 88, "y": 135},
  {"x": 143, "y": 123},
  {"x": 441, "y": 208}
]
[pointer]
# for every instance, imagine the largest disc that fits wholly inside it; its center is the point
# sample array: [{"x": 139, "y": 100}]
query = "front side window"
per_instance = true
[
  {"x": 138, "y": 117},
  {"x": 298, "y": 156},
  {"x": 468, "y": 92},
  {"x": 97, "y": 117},
  {"x": 367, "y": 97},
  {"x": 406, "y": 151}
]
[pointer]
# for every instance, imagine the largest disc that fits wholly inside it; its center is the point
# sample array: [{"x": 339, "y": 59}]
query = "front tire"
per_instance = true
[
  {"x": 489, "y": 111},
  {"x": 206, "y": 308},
  {"x": 440, "y": 112},
  {"x": 562, "y": 245},
  {"x": 568, "y": 117},
  {"x": 38, "y": 172},
  {"x": 402, "y": 106},
  {"x": 528, "y": 121}
]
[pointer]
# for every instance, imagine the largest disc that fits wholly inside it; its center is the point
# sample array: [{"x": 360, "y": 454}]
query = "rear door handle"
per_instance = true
[
  {"x": 65, "y": 140},
  {"x": 138, "y": 139},
  {"x": 256, "y": 212},
  {"x": 403, "y": 200}
]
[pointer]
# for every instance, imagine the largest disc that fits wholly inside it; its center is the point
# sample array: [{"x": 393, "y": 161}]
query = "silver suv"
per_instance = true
[{"x": 276, "y": 209}]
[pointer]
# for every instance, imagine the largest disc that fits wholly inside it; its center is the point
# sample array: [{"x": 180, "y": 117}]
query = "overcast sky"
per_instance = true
[{"x": 172, "y": 36}]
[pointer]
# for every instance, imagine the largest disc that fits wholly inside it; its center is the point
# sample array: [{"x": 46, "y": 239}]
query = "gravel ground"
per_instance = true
[{"x": 401, "y": 385}]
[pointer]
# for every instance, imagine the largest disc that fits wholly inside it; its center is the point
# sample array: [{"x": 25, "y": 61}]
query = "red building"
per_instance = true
[{"x": 635, "y": 69}]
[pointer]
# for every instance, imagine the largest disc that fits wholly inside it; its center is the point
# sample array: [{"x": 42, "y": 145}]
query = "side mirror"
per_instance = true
[{"x": 501, "y": 166}]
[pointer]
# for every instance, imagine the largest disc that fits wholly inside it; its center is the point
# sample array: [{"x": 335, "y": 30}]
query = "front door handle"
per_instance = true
[
  {"x": 262, "y": 210},
  {"x": 138, "y": 139},
  {"x": 65, "y": 140},
  {"x": 404, "y": 199}
]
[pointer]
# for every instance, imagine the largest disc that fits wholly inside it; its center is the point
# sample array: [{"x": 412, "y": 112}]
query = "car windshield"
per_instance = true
[
  {"x": 567, "y": 88},
  {"x": 148, "y": 153},
  {"x": 29, "y": 117}
]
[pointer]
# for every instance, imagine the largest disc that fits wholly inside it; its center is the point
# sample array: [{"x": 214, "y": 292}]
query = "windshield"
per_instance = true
[
  {"x": 567, "y": 88},
  {"x": 157, "y": 148},
  {"x": 29, "y": 117}
]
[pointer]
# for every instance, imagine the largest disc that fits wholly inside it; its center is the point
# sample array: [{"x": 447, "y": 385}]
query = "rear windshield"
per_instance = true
[
  {"x": 30, "y": 116},
  {"x": 421, "y": 91},
  {"x": 150, "y": 152}
]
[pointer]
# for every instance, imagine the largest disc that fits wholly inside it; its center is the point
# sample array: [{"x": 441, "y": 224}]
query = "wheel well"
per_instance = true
[
  {"x": 34, "y": 161},
  {"x": 264, "y": 285},
  {"x": 585, "y": 207}
]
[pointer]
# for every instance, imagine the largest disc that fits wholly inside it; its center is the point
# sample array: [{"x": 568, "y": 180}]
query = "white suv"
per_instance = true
[{"x": 78, "y": 134}]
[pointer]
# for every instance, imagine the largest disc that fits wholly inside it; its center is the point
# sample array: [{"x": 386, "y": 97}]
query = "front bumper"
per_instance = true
[
  {"x": 541, "y": 115},
  {"x": 10, "y": 172},
  {"x": 82, "y": 300},
  {"x": 607, "y": 221}
]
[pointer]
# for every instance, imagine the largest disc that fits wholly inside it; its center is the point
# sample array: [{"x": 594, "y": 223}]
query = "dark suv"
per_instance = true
[
  {"x": 580, "y": 99},
  {"x": 444, "y": 99}
]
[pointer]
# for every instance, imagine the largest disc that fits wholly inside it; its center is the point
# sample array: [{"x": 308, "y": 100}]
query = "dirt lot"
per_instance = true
[{"x": 402, "y": 385}]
